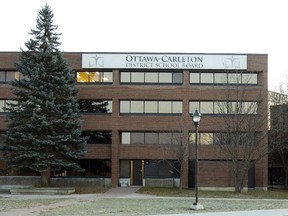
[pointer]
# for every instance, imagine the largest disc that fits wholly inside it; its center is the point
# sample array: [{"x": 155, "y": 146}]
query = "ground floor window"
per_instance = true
[
  {"x": 125, "y": 168},
  {"x": 276, "y": 176},
  {"x": 152, "y": 168},
  {"x": 93, "y": 168},
  {"x": 161, "y": 169},
  {"x": 98, "y": 137}
]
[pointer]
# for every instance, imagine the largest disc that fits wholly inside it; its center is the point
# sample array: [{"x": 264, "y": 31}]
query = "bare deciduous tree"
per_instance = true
[
  {"x": 243, "y": 131},
  {"x": 179, "y": 150}
]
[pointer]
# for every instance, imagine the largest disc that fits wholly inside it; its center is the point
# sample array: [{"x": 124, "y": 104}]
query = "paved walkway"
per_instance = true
[
  {"x": 122, "y": 191},
  {"x": 274, "y": 212}
]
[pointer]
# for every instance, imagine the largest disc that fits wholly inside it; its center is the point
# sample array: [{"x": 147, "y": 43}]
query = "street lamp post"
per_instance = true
[{"x": 196, "y": 117}]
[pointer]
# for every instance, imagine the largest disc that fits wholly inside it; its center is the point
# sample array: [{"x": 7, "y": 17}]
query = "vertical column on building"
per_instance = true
[
  {"x": 186, "y": 126},
  {"x": 185, "y": 174},
  {"x": 115, "y": 158},
  {"x": 115, "y": 169},
  {"x": 261, "y": 168}
]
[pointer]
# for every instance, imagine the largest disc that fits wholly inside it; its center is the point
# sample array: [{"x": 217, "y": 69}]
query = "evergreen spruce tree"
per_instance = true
[{"x": 44, "y": 131}]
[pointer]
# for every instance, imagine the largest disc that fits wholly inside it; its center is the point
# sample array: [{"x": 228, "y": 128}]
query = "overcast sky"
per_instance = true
[{"x": 189, "y": 26}]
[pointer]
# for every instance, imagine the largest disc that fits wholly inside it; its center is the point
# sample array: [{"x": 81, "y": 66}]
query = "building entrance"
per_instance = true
[{"x": 137, "y": 174}]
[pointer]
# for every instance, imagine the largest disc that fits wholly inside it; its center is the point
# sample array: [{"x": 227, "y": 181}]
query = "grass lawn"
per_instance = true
[
  {"x": 167, "y": 201},
  {"x": 158, "y": 206}
]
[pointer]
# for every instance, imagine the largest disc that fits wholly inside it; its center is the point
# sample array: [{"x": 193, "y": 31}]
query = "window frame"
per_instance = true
[
  {"x": 230, "y": 104},
  {"x": 100, "y": 101},
  {"x": 102, "y": 75},
  {"x": 172, "y": 107},
  {"x": 160, "y": 78},
  {"x": 161, "y": 138},
  {"x": 195, "y": 77}
]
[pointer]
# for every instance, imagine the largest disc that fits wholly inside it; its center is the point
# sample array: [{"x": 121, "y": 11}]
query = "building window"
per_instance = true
[
  {"x": 234, "y": 78},
  {"x": 165, "y": 138},
  {"x": 206, "y": 78},
  {"x": 98, "y": 137},
  {"x": 220, "y": 78},
  {"x": 165, "y": 77},
  {"x": 150, "y": 107},
  {"x": 137, "y": 77},
  {"x": 8, "y": 76},
  {"x": 2, "y": 137},
  {"x": 194, "y": 78},
  {"x": 124, "y": 106},
  {"x": 150, "y": 138},
  {"x": 151, "y": 77},
  {"x": 125, "y": 77},
  {"x": 94, "y": 77},
  {"x": 224, "y": 138},
  {"x": 125, "y": 138},
  {"x": 95, "y": 106},
  {"x": 204, "y": 138},
  {"x": 137, "y": 106},
  {"x": 207, "y": 107},
  {"x": 165, "y": 107},
  {"x": 4, "y": 104},
  {"x": 224, "y": 107},
  {"x": 177, "y": 78},
  {"x": 137, "y": 138},
  {"x": 250, "y": 78},
  {"x": 2, "y": 76},
  {"x": 161, "y": 169},
  {"x": 249, "y": 107},
  {"x": 94, "y": 168},
  {"x": 125, "y": 168}
]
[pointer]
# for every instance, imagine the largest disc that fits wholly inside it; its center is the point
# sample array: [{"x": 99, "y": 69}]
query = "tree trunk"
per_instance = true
[
  {"x": 240, "y": 172},
  {"x": 181, "y": 176},
  {"x": 235, "y": 170},
  {"x": 286, "y": 177},
  {"x": 238, "y": 184},
  {"x": 45, "y": 177},
  {"x": 180, "y": 186}
]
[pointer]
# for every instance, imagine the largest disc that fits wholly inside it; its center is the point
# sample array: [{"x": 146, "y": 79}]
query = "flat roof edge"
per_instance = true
[{"x": 174, "y": 53}]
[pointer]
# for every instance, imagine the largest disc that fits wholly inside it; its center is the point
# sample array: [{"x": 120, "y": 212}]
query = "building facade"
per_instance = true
[{"x": 136, "y": 107}]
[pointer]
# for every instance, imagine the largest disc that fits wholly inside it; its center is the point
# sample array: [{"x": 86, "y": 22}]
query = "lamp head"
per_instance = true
[{"x": 196, "y": 117}]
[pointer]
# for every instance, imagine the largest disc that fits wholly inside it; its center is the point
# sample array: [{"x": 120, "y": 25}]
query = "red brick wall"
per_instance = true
[{"x": 215, "y": 174}]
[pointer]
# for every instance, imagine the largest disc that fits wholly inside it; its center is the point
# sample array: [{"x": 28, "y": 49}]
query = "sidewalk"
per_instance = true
[
  {"x": 273, "y": 212},
  {"x": 121, "y": 191}
]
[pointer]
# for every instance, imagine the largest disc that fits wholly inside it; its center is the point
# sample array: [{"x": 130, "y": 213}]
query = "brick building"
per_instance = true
[{"x": 135, "y": 106}]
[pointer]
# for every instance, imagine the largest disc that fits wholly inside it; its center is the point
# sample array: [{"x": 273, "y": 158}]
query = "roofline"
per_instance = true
[{"x": 172, "y": 53}]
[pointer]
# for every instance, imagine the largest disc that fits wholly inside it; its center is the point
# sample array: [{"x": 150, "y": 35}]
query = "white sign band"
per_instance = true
[{"x": 164, "y": 61}]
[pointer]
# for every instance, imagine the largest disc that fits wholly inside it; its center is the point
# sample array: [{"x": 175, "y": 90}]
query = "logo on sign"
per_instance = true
[
  {"x": 232, "y": 63},
  {"x": 96, "y": 61}
]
